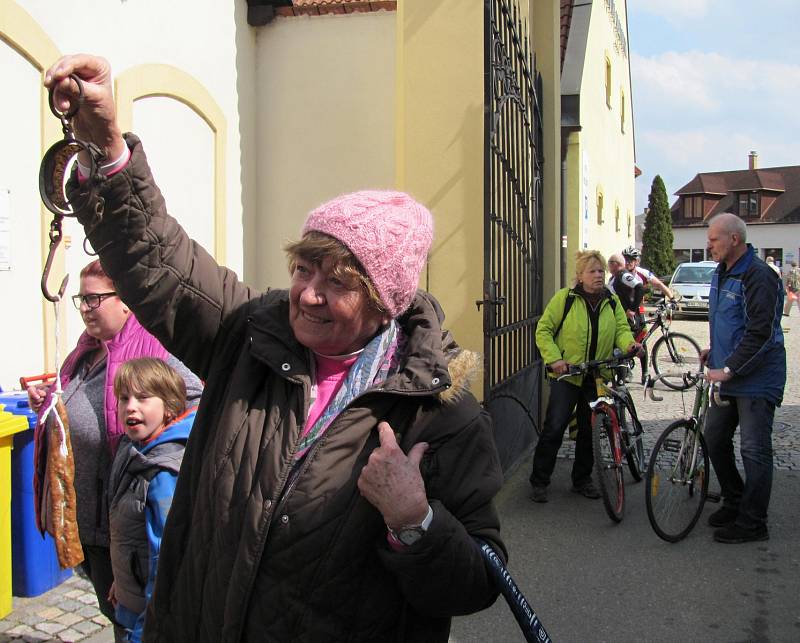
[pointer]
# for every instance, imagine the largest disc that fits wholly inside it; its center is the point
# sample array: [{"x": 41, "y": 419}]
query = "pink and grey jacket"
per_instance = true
[{"x": 131, "y": 342}]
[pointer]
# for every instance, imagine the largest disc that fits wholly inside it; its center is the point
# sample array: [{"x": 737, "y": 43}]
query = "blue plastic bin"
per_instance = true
[{"x": 34, "y": 563}]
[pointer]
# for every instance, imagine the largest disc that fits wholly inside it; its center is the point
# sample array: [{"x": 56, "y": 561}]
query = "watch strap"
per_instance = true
[{"x": 395, "y": 535}]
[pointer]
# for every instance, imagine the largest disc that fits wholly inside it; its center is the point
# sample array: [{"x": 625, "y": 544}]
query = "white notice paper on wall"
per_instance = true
[{"x": 5, "y": 229}]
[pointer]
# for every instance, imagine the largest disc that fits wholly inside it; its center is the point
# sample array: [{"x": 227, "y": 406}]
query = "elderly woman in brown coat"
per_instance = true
[{"x": 339, "y": 469}]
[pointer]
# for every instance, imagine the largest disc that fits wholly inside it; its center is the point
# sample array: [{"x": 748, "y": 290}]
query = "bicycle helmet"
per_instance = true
[{"x": 631, "y": 252}]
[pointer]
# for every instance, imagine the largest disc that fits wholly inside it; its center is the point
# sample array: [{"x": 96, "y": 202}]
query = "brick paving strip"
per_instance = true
[{"x": 69, "y": 612}]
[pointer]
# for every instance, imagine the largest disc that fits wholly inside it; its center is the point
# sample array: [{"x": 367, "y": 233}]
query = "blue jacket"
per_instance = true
[
  {"x": 153, "y": 475},
  {"x": 745, "y": 307}
]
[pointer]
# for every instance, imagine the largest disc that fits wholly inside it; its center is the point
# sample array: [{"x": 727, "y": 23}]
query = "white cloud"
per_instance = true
[
  {"x": 674, "y": 76},
  {"x": 712, "y": 82},
  {"x": 677, "y": 155},
  {"x": 675, "y": 10}
]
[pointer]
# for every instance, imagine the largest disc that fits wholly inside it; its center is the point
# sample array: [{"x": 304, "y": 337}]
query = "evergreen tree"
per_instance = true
[{"x": 657, "y": 238}]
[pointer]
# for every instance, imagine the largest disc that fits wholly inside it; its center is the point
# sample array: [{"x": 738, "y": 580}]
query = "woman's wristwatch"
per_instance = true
[{"x": 409, "y": 534}]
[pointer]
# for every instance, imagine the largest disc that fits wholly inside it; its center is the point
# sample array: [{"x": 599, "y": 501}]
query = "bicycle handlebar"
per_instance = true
[
  {"x": 585, "y": 367},
  {"x": 667, "y": 305},
  {"x": 715, "y": 398},
  {"x": 649, "y": 387}
]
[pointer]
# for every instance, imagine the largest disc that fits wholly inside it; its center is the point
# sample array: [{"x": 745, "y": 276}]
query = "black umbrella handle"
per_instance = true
[{"x": 528, "y": 621}]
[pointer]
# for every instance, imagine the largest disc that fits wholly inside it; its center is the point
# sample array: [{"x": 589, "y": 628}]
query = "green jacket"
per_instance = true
[{"x": 572, "y": 342}]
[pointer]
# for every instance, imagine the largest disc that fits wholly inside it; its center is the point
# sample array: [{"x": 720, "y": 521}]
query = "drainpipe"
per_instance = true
[{"x": 563, "y": 217}]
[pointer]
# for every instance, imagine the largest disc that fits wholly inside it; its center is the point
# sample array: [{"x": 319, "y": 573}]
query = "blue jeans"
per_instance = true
[
  {"x": 754, "y": 417},
  {"x": 563, "y": 399}
]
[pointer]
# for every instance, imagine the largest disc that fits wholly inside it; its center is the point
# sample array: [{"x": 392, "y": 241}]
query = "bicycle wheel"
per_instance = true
[
  {"x": 676, "y": 353},
  {"x": 632, "y": 436},
  {"x": 607, "y": 448},
  {"x": 677, "y": 481}
]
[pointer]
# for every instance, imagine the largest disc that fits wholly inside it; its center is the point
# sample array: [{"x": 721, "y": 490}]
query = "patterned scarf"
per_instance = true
[{"x": 377, "y": 361}]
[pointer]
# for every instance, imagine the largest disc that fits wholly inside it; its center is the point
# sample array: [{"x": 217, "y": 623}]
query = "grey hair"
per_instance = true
[
  {"x": 618, "y": 258},
  {"x": 730, "y": 224}
]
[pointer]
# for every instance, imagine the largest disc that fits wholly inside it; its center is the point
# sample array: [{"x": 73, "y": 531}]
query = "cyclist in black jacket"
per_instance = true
[{"x": 628, "y": 288}]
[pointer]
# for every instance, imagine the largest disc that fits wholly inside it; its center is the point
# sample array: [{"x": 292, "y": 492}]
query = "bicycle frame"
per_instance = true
[
  {"x": 613, "y": 399},
  {"x": 705, "y": 392}
]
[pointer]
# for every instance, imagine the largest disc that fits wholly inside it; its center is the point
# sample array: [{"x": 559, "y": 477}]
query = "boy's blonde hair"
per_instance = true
[
  {"x": 150, "y": 376},
  {"x": 583, "y": 258},
  {"x": 316, "y": 247}
]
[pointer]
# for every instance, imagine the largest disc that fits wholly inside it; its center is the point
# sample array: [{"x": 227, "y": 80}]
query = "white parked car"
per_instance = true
[{"x": 692, "y": 280}]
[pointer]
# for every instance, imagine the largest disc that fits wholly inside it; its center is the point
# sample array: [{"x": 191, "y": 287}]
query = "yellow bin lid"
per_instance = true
[{"x": 11, "y": 424}]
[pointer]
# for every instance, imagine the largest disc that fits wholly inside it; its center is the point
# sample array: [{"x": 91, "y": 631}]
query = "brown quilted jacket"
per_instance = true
[{"x": 244, "y": 557}]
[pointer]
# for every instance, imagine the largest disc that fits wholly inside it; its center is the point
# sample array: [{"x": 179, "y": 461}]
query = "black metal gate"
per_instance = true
[{"x": 512, "y": 293}]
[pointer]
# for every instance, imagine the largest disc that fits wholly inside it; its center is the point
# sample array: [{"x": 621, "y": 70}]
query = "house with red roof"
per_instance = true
[{"x": 767, "y": 199}]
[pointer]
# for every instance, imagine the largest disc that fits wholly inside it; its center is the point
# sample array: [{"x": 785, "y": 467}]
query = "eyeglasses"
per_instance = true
[{"x": 92, "y": 300}]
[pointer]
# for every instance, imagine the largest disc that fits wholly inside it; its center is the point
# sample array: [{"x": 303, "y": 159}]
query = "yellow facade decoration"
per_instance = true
[{"x": 144, "y": 81}]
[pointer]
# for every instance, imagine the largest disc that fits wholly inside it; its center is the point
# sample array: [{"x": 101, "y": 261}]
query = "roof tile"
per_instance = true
[{"x": 784, "y": 182}]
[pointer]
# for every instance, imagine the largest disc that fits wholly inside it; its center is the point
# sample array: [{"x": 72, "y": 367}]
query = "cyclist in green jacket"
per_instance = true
[{"x": 581, "y": 323}]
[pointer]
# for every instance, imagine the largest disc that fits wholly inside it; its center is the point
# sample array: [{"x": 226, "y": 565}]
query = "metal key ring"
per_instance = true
[
  {"x": 52, "y": 178},
  {"x": 74, "y": 106}
]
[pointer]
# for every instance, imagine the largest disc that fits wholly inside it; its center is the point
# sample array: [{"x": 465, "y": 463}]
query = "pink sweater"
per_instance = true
[{"x": 331, "y": 374}]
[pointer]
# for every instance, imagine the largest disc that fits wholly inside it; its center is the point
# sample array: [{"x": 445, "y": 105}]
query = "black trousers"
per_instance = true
[
  {"x": 564, "y": 397},
  {"x": 97, "y": 566}
]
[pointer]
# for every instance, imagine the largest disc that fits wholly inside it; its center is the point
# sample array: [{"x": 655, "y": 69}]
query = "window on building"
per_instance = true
[
  {"x": 698, "y": 254},
  {"x": 693, "y": 207},
  {"x": 608, "y": 82},
  {"x": 752, "y": 206},
  {"x": 599, "y": 207},
  {"x": 617, "y": 222},
  {"x": 749, "y": 204},
  {"x": 681, "y": 254},
  {"x": 775, "y": 253},
  {"x": 622, "y": 110}
]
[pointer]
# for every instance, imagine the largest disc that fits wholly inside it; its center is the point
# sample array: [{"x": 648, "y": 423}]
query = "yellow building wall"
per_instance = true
[
  {"x": 601, "y": 154},
  {"x": 545, "y": 28},
  {"x": 440, "y": 148},
  {"x": 324, "y": 126}
]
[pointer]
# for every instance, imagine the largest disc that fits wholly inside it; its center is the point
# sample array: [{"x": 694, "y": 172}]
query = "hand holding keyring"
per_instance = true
[
  {"x": 53, "y": 170},
  {"x": 53, "y": 179}
]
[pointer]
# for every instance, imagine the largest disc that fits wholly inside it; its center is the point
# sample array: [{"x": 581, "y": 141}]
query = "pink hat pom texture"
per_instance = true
[{"x": 388, "y": 232}]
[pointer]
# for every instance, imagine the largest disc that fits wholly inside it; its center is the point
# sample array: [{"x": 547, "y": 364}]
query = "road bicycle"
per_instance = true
[
  {"x": 673, "y": 352},
  {"x": 616, "y": 429},
  {"x": 676, "y": 484}
]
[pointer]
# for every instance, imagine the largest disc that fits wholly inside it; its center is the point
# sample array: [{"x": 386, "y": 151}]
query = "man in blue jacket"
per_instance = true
[{"x": 748, "y": 359}]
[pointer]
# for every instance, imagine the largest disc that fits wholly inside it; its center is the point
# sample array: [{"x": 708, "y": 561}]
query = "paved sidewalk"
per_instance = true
[{"x": 67, "y": 613}]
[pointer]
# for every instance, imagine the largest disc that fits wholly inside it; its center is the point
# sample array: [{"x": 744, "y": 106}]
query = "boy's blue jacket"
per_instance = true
[
  {"x": 745, "y": 308},
  {"x": 142, "y": 484}
]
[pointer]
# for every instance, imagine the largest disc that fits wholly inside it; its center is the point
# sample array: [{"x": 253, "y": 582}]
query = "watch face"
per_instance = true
[{"x": 410, "y": 535}]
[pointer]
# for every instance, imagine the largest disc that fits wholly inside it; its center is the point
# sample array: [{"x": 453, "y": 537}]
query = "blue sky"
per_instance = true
[{"x": 712, "y": 80}]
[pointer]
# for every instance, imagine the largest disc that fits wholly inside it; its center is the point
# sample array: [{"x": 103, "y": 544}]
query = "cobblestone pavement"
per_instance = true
[
  {"x": 69, "y": 612},
  {"x": 655, "y": 416}
]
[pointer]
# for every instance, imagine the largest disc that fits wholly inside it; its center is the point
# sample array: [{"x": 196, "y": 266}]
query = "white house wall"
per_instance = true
[
  {"x": 786, "y": 236},
  {"x": 199, "y": 38},
  {"x": 21, "y": 324}
]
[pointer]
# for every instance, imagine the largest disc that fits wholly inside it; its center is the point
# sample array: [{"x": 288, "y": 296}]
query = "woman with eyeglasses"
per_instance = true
[{"x": 112, "y": 336}]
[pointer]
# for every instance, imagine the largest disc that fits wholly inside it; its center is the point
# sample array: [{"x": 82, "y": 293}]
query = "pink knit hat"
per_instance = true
[{"x": 388, "y": 232}]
